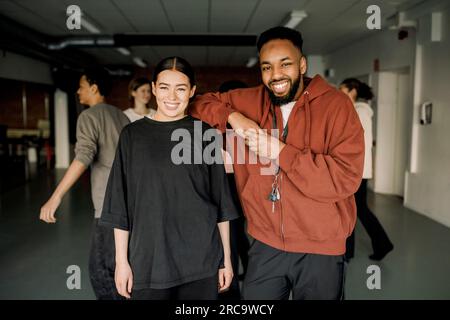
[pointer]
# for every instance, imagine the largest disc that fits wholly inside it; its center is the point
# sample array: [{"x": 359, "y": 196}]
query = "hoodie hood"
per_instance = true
[
  {"x": 313, "y": 88},
  {"x": 316, "y": 87}
]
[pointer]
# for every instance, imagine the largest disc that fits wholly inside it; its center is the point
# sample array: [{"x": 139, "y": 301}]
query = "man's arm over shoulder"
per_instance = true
[{"x": 216, "y": 108}]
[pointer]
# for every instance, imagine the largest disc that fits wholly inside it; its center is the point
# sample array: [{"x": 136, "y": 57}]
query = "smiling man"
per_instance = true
[{"x": 302, "y": 213}]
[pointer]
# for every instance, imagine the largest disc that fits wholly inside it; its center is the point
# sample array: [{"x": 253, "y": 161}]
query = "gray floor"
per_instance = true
[{"x": 34, "y": 256}]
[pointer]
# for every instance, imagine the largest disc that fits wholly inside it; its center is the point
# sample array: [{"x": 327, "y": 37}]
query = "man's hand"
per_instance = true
[
  {"x": 240, "y": 123},
  {"x": 263, "y": 144},
  {"x": 72, "y": 174},
  {"x": 49, "y": 208}
]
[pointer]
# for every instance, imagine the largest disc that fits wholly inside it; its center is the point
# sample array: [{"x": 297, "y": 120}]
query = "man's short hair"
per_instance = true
[
  {"x": 280, "y": 33},
  {"x": 100, "y": 77}
]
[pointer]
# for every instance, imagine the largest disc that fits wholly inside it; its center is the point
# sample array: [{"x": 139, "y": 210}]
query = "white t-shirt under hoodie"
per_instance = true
[{"x": 286, "y": 111}]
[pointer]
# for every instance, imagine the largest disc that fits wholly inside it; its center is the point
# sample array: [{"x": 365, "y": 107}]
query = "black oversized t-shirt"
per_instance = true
[{"x": 165, "y": 188}]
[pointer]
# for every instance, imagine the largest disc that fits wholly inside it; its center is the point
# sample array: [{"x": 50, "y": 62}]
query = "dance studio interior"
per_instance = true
[{"x": 398, "y": 48}]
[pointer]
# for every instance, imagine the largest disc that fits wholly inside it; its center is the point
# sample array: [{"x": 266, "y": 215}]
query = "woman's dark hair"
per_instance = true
[
  {"x": 100, "y": 77},
  {"x": 175, "y": 63},
  {"x": 280, "y": 33},
  {"x": 135, "y": 84},
  {"x": 363, "y": 91}
]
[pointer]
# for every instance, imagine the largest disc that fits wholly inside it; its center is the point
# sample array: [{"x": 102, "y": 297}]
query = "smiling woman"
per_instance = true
[
  {"x": 169, "y": 216},
  {"x": 173, "y": 85}
]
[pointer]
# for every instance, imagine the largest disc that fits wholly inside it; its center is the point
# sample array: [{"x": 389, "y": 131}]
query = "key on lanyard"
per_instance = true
[{"x": 274, "y": 195}]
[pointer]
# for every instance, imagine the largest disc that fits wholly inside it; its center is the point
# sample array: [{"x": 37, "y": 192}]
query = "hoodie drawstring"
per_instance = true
[
  {"x": 307, "y": 121},
  {"x": 307, "y": 133},
  {"x": 265, "y": 115}
]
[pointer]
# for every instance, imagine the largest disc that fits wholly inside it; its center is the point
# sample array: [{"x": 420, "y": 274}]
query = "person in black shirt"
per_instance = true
[
  {"x": 168, "y": 199},
  {"x": 239, "y": 241}
]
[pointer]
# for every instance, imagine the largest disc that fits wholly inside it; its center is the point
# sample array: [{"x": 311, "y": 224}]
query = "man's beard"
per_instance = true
[{"x": 279, "y": 101}]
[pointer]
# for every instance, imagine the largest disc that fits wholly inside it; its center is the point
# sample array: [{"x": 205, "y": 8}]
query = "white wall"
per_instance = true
[
  {"x": 358, "y": 59},
  {"x": 18, "y": 67},
  {"x": 428, "y": 185},
  {"x": 427, "y": 182},
  {"x": 315, "y": 65}
]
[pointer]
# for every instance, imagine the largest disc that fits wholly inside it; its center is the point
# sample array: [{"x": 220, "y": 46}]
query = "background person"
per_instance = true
[
  {"x": 98, "y": 130},
  {"x": 139, "y": 92},
  {"x": 238, "y": 236},
  {"x": 360, "y": 93}
]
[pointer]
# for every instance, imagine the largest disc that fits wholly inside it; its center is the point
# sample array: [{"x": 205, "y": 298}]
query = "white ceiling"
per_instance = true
[{"x": 330, "y": 24}]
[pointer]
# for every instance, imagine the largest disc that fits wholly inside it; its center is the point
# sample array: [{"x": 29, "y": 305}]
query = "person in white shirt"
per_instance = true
[
  {"x": 139, "y": 92},
  {"x": 359, "y": 93}
]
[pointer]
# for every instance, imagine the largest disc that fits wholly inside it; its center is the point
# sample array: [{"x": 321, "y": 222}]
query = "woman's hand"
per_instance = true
[
  {"x": 124, "y": 279},
  {"x": 225, "y": 276}
]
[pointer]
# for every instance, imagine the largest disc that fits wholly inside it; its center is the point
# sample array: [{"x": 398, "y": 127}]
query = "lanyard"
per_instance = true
[
  {"x": 275, "y": 193},
  {"x": 274, "y": 125},
  {"x": 283, "y": 135}
]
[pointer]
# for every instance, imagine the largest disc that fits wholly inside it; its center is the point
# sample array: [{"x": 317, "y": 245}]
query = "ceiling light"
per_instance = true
[
  {"x": 124, "y": 51},
  {"x": 291, "y": 21},
  {"x": 251, "y": 62},
  {"x": 139, "y": 62},
  {"x": 294, "y": 18},
  {"x": 89, "y": 26}
]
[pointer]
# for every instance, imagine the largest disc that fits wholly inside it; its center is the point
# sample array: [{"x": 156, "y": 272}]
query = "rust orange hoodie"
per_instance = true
[{"x": 321, "y": 166}]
